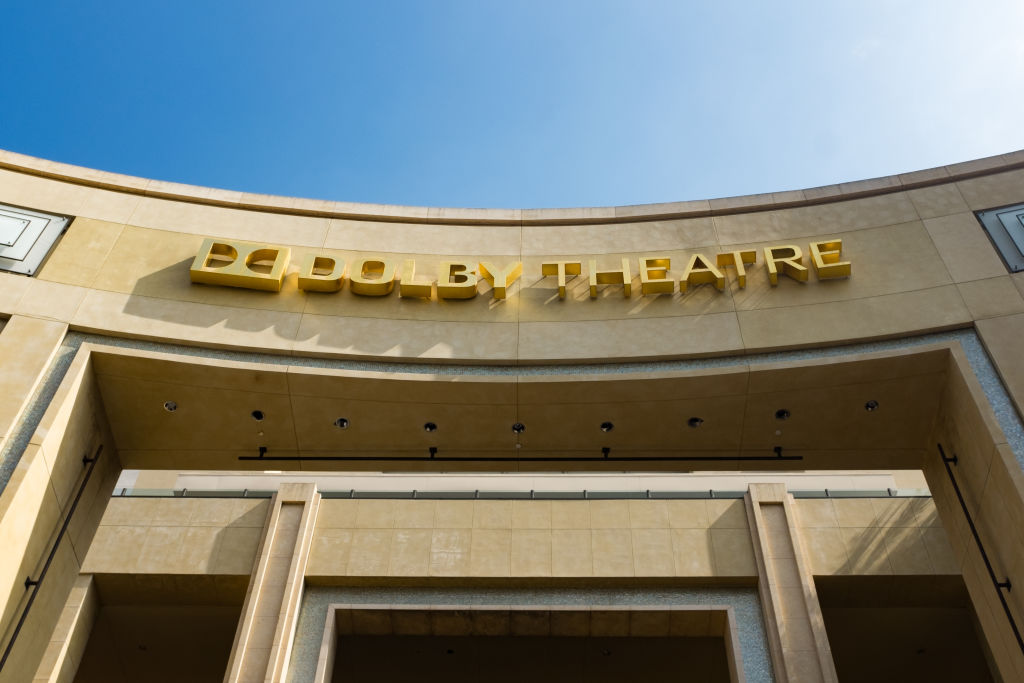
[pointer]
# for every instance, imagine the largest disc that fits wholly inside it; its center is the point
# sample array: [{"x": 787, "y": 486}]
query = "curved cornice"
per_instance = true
[{"x": 455, "y": 216}]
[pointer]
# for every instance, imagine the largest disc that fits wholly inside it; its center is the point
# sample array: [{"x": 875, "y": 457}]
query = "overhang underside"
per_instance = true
[{"x": 870, "y": 411}]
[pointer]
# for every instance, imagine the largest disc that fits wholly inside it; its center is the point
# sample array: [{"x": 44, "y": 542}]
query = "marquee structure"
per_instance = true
[{"x": 436, "y": 440}]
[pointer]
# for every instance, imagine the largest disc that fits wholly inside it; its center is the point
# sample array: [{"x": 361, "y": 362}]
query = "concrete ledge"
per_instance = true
[{"x": 464, "y": 216}]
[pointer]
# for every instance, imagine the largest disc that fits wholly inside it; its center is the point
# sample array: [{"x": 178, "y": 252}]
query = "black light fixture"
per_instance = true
[
  {"x": 170, "y": 406},
  {"x": 518, "y": 428},
  {"x": 607, "y": 426},
  {"x": 257, "y": 415},
  {"x": 430, "y": 427},
  {"x": 782, "y": 414},
  {"x": 694, "y": 422},
  {"x": 871, "y": 406},
  {"x": 341, "y": 423}
]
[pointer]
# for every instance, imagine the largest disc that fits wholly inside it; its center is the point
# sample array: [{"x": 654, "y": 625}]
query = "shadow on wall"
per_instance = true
[
  {"x": 206, "y": 538},
  {"x": 893, "y": 542},
  {"x": 167, "y": 295}
]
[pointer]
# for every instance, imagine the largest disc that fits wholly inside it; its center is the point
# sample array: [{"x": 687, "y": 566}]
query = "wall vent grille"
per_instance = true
[{"x": 1005, "y": 227}]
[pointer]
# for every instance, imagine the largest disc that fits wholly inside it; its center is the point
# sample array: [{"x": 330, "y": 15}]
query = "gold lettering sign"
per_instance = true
[
  {"x": 825, "y": 259},
  {"x": 739, "y": 260},
  {"x": 501, "y": 278},
  {"x": 240, "y": 264},
  {"x": 654, "y": 277},
  {"x": 615, "y": 276},
  {"x": 321, "y": 274},
  {"x": 791, "y": 259},
  {"x": 409, "y": 286},
  {"x": 372, "y": 276},
  {"x": 561, "y": 269},
  {"x": 455, "y": 280},
  {"x": 264, "y": 267},
  {"x": 700, "y": 271}
]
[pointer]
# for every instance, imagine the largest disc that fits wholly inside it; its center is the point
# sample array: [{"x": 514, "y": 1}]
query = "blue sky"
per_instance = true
[{"x": 514, "y": 103}]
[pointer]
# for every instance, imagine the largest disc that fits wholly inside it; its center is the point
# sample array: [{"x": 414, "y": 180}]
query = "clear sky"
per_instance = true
[{"x": 511, "y": 104}]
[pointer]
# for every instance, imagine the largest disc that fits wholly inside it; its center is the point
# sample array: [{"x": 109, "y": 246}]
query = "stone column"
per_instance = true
[
  {"x": 27, "y": 345},
  {"x": 793, "y": 620},
  {"x": 67, "y": 642},
  {"x": 263, "y": 641}
]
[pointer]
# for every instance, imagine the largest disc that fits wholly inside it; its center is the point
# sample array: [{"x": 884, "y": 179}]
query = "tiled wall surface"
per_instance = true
[
  {"x": 921, "y": 263},
  {"x": 874, "y": 536},
  {"x": 177, "y": 536},
  {"x": 531, "y": 538},
  {"x": 428, "y": 538}
]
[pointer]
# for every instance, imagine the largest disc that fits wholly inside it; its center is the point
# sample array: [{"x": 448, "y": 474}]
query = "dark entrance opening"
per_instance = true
[
  {"x": 513, "y": 659},
  {"x": 541, "y": 644},
  {"x": 902, "y": 628},
  {"x": 161, "y": 629}
]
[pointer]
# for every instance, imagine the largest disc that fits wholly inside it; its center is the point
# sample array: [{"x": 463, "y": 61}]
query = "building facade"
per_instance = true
[{"x": 763, "y": 438}]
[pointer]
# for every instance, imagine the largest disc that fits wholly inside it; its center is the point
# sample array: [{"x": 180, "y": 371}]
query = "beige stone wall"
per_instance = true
[
  {"x": 39, "y": 497},
  {"x": 544, "y": 539},
  {"x": 517, "y": 538},
  {"x": 68, "y": 640},
  {"x": 849, "y": 536},
  {"x": 549, "y": 539},
  {"x": 177, "y": 536},
  {"x": 488, "y": 540},
  {"x": 27, "y": 346},
  {"x": 920, "y": 262},
  {"x": 992, "y": 485}
]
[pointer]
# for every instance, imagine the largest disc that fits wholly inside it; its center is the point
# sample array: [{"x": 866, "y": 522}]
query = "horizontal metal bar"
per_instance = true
[
  {"x": 361, "y": 458},
  {"x": 704, "y": 494}
]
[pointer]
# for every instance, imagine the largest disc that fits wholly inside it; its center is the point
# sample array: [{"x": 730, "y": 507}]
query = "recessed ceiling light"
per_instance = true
[
  {"x": 170, "y": 406},
  {"x": 257, "y": 415},
  {"x": 871, "y": 406},
  {"x": 518, "y": 428},
  {"x": 341, "y": 423},
  {"x": 782, "y": 414},
  {"x": 694, "y": 422},
  {"x": 430, "y": 427},
  {"x": 607, "y": 426}
]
